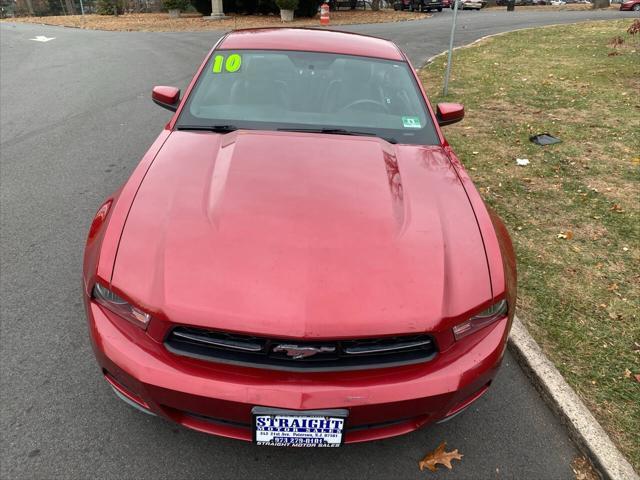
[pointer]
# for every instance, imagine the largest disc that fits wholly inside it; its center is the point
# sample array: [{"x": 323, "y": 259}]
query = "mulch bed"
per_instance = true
[{"x": 161, "y": 22}]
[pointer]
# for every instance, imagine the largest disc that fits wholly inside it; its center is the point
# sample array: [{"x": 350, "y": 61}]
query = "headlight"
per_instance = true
[
  {"x": 475, "y": 323},
  {"x": 120, "y": 307}
]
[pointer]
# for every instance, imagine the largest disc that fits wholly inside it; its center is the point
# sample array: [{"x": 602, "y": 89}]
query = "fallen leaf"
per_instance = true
[
  {"x": 627, "y": 373},
  {"x": 617, "y": 208},
  {"x": 583, "y": 469},
  {"x": 439, "y": 455},
  {"x": 612, "y": 287},
  {"x": 568, "y": 235}
]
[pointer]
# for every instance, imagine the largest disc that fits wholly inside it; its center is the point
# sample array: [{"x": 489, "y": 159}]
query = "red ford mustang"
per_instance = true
[{"x": 300, "y": 259}]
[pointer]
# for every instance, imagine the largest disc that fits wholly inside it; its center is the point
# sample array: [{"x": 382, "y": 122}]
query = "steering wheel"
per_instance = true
[{"x": 365, "y": 101}]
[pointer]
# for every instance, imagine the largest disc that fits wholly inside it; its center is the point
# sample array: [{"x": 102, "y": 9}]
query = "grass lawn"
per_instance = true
[
  {"x": 573, "y": 211},
  {"x": 161, "y": 22}
]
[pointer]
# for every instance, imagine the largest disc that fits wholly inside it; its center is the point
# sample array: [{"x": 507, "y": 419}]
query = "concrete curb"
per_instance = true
[
  {"x": 432, "y": 58},
  {"x": 583, "y": 428}
]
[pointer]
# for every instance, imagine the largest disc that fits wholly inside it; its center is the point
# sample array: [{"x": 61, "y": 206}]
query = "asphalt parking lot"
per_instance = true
[{"x": 75, "y": 118}]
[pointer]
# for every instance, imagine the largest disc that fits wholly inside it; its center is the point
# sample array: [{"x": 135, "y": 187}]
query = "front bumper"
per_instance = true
[{"x": 218, "y": 399}]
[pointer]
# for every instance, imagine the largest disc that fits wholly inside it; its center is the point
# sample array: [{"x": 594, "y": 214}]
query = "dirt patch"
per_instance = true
[{"x": 161, "y": 22}]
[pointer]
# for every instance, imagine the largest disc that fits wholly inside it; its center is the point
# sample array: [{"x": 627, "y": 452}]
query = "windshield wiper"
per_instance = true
[
  {"x": 337, "y": 131},
  {"x": 210, "y": 128}
]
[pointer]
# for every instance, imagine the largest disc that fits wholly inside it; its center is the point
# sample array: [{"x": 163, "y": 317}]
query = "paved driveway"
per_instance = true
[{"x": 75, "y": 117}]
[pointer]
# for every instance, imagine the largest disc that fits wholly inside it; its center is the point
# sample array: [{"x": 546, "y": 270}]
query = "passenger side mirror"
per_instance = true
[
  {"x": 166, "y": 97},
  {"x": 448, "y": 113}
]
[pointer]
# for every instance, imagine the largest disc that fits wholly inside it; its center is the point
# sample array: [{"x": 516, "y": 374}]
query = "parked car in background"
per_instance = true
[
  {"x": 446, "y": 3},
  {"x": 403, "y": 5},
  {"x": 428, "y": 5},
  {"x": 471, "y": 4},
  {"x": 418, "y": 5},
  {"x": 524, "y": 3},
  {"x": 631, "y": 5}
]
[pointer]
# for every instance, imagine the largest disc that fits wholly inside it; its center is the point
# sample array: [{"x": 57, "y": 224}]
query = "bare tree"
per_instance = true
[{"x": 29, "y": 7}]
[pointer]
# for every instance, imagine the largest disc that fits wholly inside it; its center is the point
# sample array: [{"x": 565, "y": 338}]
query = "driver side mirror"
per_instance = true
[
  {"x": 448, "y": 113},
  {"x": 166, "y": 97}
]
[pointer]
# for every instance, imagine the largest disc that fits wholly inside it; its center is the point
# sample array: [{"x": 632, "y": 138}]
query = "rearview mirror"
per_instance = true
[
  {"x": 449, "y": 113},
  {"x": 166, "y": 97}
]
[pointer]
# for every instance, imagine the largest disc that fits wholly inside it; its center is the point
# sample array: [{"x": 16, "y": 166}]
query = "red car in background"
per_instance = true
[
  {"x": 631, "y": 5},
  {"x": 300, "y": 259}
]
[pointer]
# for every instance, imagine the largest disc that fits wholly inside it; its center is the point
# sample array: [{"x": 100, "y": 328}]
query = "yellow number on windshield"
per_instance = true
[
  {"x": 231, "y": 65},
  {"x": 217, "y": 63}
]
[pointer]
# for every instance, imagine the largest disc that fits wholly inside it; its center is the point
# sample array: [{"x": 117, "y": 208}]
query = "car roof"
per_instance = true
[{"x": 311, "y": 40}]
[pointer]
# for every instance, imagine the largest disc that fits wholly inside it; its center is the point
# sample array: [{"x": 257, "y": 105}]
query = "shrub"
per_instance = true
[
  {"x": 247, "y": 6},
  {"x": 174, "y": 4},
  {"x": 204, "y": 6},
  {"x": 308, "y": 8},
  {"x": 263, "y": 7},
  {"x": 106, "y": 7},
  {"x": 267, "y": 6},
  {"x": 287, "y": 4}
]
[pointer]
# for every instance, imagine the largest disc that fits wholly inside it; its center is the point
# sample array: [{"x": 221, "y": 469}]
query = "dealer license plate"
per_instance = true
[{"x": 293, "y": 428}]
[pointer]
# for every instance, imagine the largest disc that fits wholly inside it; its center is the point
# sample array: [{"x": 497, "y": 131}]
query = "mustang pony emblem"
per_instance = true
[{"x": 297, "y": 352}]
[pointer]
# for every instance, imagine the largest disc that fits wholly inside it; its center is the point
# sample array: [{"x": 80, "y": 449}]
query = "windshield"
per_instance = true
[{"x": 283, "y": 90}]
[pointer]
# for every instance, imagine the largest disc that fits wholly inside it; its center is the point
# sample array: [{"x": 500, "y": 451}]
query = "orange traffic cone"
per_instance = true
[{"x": 324, "y": 14}]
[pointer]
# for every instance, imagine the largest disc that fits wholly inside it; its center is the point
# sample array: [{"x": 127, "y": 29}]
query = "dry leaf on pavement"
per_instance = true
[
  {"x": 439, "y": 455},
  {"x": 583, "y": 469}
]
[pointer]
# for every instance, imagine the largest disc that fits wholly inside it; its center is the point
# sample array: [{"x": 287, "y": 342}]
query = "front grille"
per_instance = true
[{"x": 295, "y": 355}]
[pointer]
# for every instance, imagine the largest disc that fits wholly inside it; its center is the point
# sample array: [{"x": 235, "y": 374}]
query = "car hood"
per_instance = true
[{"x": 302, "y": 235}]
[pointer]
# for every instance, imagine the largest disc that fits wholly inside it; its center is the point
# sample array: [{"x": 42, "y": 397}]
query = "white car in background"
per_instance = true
[{"x": 470, "y": 4}]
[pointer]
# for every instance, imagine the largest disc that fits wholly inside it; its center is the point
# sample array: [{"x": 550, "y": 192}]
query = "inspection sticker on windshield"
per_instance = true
[
  {"x": 411, "y": 122},
  {"x": 290, "y": 428}
]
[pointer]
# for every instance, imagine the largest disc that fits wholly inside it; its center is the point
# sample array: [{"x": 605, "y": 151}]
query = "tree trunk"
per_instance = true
[
  {"x": 600, "y": 4},
  {"x": 375, "y": 5},
  {"x": 71, "y": 8}
]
